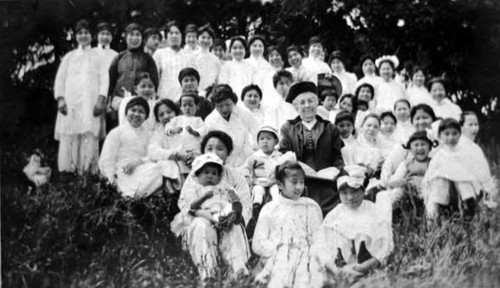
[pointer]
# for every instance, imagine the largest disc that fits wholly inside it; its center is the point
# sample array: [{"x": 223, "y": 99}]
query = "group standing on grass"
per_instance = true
[{"x": 263, "y": 158}]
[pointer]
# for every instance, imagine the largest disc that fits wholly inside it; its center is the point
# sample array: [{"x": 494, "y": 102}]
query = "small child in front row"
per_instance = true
[
  {"x": 216, "y": 201},
  {"x": 353, "y": 238},
  {"x": 259, "y": 167},
  {"x": 284, "y": 232},
  {"x": 454, "y": 164},
  {"x": 186, "y": 131}
]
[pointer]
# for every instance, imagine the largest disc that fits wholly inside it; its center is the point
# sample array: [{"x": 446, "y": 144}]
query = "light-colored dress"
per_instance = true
[
  {"x": 160, "y": 151},
  {"x": 123, "y": 145},
  {"x": 403, "y": 131},
  {"x": 237, "y": 74},
  {"x": 373, "y": 80},
  {"x": 348, "y": 81},
  {"x": 200, "y": 237},
  {"x": 387, "y": 94},
  {"x": 447, "y": 109},
  {"x": 107, "y": 54},
  {"x": 419, "y": 95},
  {"x": 169, "y": 64},
  {"x": 185, "y": 141},
  {"x": 208, "y": 65},
  {"x": 283, "y": 239},
  {"x": 281, "y": 112},
  {"x": 302, "y": 74},
  {"x": 261, "y": 68},
  {"x": 242, "y": 127},
  {"x": 316, "y": 66},
  {"x": 344, "y": 230}
]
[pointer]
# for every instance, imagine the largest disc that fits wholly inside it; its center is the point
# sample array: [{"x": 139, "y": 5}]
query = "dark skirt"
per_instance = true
[{"x": 324, "y": 192}]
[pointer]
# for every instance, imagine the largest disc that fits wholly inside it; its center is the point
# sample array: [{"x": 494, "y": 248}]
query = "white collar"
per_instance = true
[{"x": 309, "y": 125}]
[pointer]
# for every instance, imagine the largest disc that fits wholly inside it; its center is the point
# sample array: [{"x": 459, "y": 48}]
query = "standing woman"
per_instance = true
[
  {"x": 367, "y": 63},
  {"x": 206, "y": 63},
  {"x": 237, "y": 73},
  {"x": 200, "y": 237},
  {"x": 417, "y": 92},
  {"x": 299, "y": 71},
  {"x": 125, "y": 68},
  {"x": 443, "y": 107},
  {"x": 316, "y": 142},
  {"x": 104, "y": 39},
  {"x": 276, "y": 60},
  {"x": 170, "y": 61},
  {"x": 348, "y": 80},
  {"x": 80, "y": 89},
  {"x": 239, "y": 123},
  {"x": 389, "y": 90},
  {"x": 257, "y": 46},
  {"x": 314, "y": 62}
]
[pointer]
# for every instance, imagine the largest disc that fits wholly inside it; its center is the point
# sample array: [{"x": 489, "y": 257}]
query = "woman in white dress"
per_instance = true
[
  {"x": 443, "y": 106},
  {"x": 80, "y": 88},
  {"x": 237, "y": 73},
  {"x": 239, "y": 123},
  {"x": 251, "y": 97},
  {"x": 205, "y": 62},
  {"x": 389, "y": 90},
  {"x": 416, "y": 91},
  {"x": 206, "y": 244},
  {"x": 276, "y": 60},
  {"x": 299, "y": 71},
  {"x": 314, "y": 62},
  {"x": 348, "y": 79},
  {"x": 124, "y": 159},
  {"x": 261, "y": 67},
  {"x": 170, "y": 61}
]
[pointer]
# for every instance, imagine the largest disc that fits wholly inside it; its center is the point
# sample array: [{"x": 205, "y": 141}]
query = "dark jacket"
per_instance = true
[
  {"x": 126, "y": 67},
  {"x": 328, "y": 142}
]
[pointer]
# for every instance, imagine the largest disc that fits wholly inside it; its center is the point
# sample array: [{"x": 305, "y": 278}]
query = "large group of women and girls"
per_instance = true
[{"x": 259, "y": 149}]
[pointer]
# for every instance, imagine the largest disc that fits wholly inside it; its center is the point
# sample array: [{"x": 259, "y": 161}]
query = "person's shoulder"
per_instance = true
[{"x": 310, "y": 203}]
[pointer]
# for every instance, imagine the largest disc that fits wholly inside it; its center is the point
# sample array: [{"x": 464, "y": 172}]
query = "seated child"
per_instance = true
[
  {"x": 409, "y": 174},
  {"x": 353, "y": 238},
  {"x": 345, "y": 122},
  {"x": 259, "y": 167},
  {"x": 454, "y": 164},
  {"x": 216, "y": 201},
  {"x": 284, "y": 232},
  {"x": 328, "y": 100},
  {"x": 185, "y": 131},
  {"x": 160, "y": 150}
]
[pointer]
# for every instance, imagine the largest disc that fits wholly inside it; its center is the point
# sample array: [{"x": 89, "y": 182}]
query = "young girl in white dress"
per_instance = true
[
  {"x": 354, "y": 239},
  {"x": 237, "y": 73},
  {"x": 185, "y": 131},
  {"x": 284, "y": 233},
  {"x": 458, "y": 165},
  {"x": 123, "y": 158}
]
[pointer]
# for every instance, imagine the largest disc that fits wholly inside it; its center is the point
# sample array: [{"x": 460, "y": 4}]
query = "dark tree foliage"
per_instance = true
[{"x": 459, "y": 39}]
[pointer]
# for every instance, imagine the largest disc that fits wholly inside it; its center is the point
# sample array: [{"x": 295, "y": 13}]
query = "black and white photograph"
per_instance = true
[{"x": 250, "y": 143}]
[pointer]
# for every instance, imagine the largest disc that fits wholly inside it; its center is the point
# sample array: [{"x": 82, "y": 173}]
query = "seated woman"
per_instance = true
[
  {"x": 251, "y": 98},
  {"x": 123, "y": 158},
  {"x": 206, "y": 244},
  {"x": 239, "y": 123},
  {"x": 316, "y": 142},
  {"x": 353, "y": 239}
]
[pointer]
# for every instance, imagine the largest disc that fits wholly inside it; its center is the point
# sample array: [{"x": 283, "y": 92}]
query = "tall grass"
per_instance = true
[{"x": 79, "y": 232}]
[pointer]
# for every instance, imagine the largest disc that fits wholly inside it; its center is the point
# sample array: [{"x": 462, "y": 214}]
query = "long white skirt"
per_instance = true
[{"x": 146, "y": 179}]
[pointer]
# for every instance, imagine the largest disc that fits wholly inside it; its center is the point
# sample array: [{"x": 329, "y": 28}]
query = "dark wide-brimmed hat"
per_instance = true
[
  {"x": 329, "y": 82},
  {"x": 299, "y": 88}
]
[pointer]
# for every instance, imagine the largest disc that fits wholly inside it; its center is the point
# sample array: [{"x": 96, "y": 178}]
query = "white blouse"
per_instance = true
[
  {"x": 316, "y": 67},
  {"x": 302, "y": 74},
  {"x": 387, "y": 94},
  {"x": 348, "y": 81},
  {"x": 237, "y": 74},
  {"x": 169, "y": 64},
  {"x": 208, "y": 65},
  {"x": 447, "y": 109},
  {"x": 419, "y": 95},
  {"x": 241, "y": 126},
  {"x": 107, "y": 54},
  {"x": 81, "y": 78}
]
